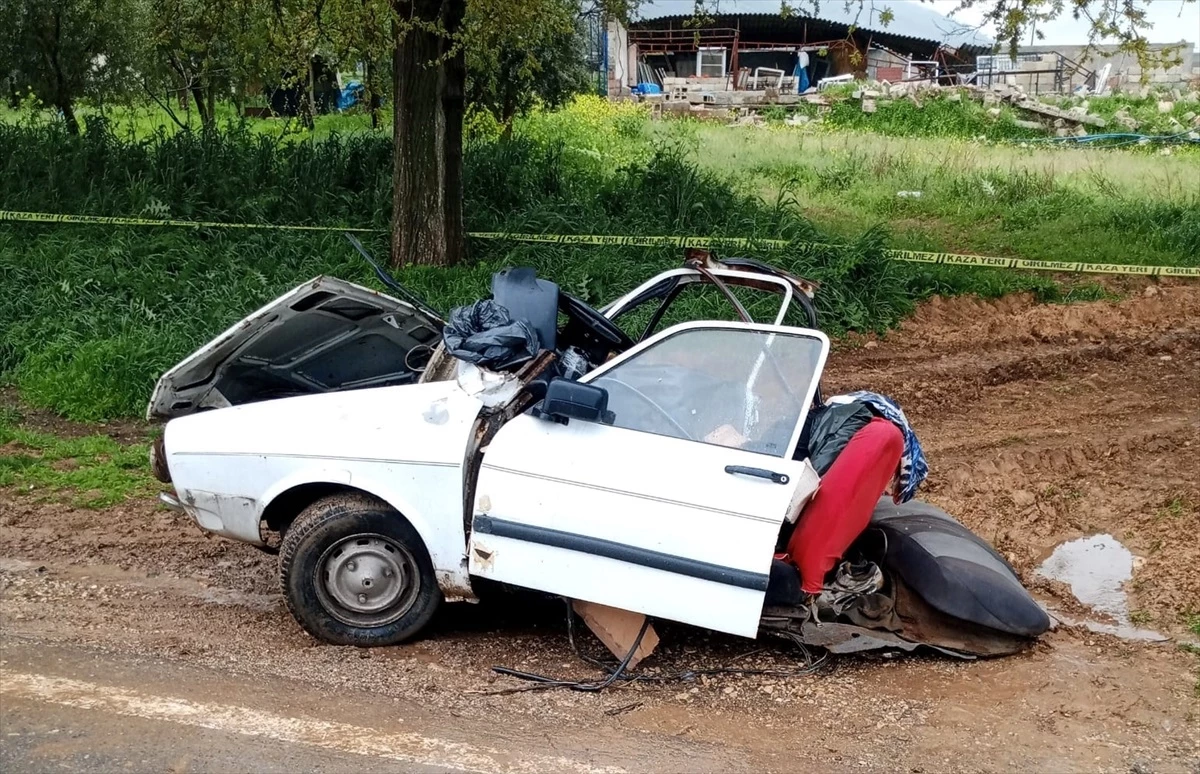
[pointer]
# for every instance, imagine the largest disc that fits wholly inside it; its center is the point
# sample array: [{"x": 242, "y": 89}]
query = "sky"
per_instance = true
[{"x": 1173, "y": 20}]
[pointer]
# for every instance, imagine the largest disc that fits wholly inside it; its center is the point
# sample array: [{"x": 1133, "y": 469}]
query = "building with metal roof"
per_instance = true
[
  {"x": 910, "y": 19},
  {"x": 746, "y": 44}
]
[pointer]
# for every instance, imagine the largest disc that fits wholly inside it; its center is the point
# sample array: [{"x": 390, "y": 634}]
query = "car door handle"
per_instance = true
[{"x": 778, "y": 478}]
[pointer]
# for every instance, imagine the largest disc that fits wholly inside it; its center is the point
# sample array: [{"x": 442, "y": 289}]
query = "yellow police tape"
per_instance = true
[
  {"x": 911, "y": 256},
  {"x": 104, "y": 220}
]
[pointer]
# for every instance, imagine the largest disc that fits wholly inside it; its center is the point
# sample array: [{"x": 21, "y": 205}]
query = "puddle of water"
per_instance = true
[
  {"x": 1124, "y": 631},
  {"x": 1096, "y": 568}
]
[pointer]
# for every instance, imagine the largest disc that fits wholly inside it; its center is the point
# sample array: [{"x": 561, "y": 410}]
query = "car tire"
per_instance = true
[{"x": 355, "y": 572}]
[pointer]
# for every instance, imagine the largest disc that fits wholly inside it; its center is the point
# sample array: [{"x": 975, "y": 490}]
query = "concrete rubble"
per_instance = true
[{"x": 1025, "y": 111}]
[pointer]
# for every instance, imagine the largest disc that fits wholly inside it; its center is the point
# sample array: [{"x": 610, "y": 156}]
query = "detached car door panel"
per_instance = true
[{"x": 649, "y": 519}]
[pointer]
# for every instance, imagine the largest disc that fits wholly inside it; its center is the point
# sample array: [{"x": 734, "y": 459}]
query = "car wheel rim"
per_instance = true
[{"x": 367, "y": 580}]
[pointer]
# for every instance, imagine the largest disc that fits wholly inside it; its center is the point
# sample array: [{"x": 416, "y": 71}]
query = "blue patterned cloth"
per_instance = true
[{"x": 913, "y": 467}]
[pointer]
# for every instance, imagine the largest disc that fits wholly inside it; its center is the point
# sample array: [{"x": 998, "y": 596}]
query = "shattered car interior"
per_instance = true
[{"x": 631, "y": 458}]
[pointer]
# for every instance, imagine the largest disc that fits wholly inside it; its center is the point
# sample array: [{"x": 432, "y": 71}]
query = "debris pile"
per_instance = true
[{"x": 1067, "y": 119}]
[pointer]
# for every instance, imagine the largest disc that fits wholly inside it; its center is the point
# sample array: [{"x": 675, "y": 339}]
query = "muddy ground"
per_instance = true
[{"x": 1042, "y": 423}]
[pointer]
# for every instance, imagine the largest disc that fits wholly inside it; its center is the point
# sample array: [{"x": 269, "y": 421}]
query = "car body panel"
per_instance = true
[
  {"x": 403, "y": 444},
  {"x": 632, "y": 520}
]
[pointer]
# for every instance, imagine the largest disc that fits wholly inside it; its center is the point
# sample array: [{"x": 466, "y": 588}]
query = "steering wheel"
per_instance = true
[
  {"x": 591, "y": 331},
  {"x": 643, "y": 397}
]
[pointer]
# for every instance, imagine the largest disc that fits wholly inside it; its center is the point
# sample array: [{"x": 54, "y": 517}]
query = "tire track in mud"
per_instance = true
[{"x": 1045, "y": 423}]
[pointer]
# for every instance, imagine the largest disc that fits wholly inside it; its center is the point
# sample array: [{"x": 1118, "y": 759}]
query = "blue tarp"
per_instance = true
[
  {"x": 801, "y": 74},
  {"x": 352, "y": 94}
]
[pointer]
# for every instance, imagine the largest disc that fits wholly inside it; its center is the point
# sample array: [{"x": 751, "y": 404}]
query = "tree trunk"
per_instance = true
[
  {"x": 508, "y": 114},
  {"x": 68, "y": 111},
  {"x": 373, "y": 100},
  {"x": 211, "y": 98},
  {"x": 309, "y": 113},
  {"x": 428, "y": 88},
  {"x": 197, "y": 92},
  {"x": 454, "y": 103},
  {"x": 62, "y": 93}
]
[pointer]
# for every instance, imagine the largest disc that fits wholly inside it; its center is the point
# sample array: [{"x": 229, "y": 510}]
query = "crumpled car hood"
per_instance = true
[{"x": 323, "y": 336}]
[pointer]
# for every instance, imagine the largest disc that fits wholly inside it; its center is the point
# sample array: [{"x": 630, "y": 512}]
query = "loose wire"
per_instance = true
[{"x": 619, "y": 672}]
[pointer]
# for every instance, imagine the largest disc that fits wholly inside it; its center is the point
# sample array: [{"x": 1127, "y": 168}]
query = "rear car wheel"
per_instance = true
[{"x": 355, "y": 572}]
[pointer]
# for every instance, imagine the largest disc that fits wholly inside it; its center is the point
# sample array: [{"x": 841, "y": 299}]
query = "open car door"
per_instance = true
[{"x": 675, "y": 508}]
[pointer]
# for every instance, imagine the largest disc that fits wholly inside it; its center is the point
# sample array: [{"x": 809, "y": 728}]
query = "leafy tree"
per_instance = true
[
  {"x": 429, "y": 82},
  {"x": 198, "y": 51},
  {"x": 361, "y": 32},
  {"x": 293, "y": 40},
  {"x": 65, "y": 50},
  {"x": 511, "y": 68},
  {"x": 1122, "y": 22},
  {"x": 210, "y": 49}
]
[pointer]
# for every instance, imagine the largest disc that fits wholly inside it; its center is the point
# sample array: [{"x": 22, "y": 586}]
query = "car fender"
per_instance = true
[
  {"x": 440, "y": 529},
  {"x": 442, "y": 533},
  {"x": 405, "y": 445}
]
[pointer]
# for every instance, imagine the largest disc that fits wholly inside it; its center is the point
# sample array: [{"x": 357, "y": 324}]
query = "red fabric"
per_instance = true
[{"x": 842, "y": 506}]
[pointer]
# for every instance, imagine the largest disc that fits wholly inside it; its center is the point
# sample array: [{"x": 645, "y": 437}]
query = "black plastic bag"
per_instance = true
[
  {"x": 832, "y": 430},
  {"x": 484, "y": 333}
]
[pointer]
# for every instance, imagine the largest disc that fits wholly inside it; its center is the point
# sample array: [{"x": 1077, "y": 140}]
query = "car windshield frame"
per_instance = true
[
  {"x": 665, "y": 286},
  {"x": 765, "y": 361}
]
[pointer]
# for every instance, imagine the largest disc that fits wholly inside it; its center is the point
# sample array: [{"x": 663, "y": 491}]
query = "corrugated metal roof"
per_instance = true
[{"x": 911, "y": 19}]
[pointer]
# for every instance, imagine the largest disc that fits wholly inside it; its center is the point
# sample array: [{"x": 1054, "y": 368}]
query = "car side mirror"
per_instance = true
[{"x": 566, "y": 399}]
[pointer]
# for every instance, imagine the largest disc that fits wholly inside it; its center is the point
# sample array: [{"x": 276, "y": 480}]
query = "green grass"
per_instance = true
[
  {"x": 1175, "y": 508},
  {"x": 1141, "y": 617},
  {"x": 146, "y": 120},
  {"x": 1106, "y": 206},
  {"x": 1193, "y": 624},
  {"x": 92, "y": 471},
  {"x": 91, "y": 315},
  {"x": 94, "y": 314}
]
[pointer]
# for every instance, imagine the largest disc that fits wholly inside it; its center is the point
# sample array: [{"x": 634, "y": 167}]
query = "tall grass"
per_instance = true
[
  {"x": 1108, "y": 206},
  {"x": 232, "y": 175},
  {"x": 91, "y": 315}
]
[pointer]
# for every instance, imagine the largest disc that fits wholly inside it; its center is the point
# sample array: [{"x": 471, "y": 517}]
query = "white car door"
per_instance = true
[{"x": 675, "y": 508}]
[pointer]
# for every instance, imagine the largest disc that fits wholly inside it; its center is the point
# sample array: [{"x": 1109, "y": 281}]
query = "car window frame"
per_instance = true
[
  {"x": 769, "y": 329},
  {"x": 685, "y": 276}
]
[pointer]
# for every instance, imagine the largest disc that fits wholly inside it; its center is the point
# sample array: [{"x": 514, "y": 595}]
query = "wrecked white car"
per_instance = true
[{"x": 333, "y": 425}]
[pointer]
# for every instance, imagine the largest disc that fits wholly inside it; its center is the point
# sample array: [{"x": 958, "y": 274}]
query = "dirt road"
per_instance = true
[{"x": 130, "y": 638}]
